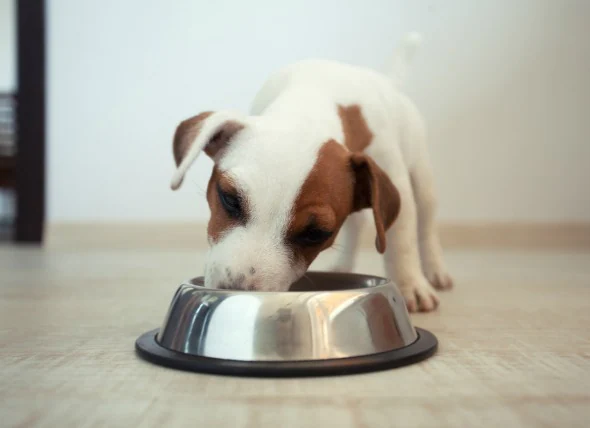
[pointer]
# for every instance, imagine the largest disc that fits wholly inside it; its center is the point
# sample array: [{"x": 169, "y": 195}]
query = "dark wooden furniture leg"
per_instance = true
[{"x": 30, "y": 117}]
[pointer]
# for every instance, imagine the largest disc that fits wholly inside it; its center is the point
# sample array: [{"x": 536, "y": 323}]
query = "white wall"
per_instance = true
[
  {"x": 7, "y": 46},
  {"x": 504, "y": 85}
]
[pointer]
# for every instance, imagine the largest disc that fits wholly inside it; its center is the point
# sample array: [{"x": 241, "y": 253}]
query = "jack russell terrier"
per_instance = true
[{"x": 324, "y": 141}]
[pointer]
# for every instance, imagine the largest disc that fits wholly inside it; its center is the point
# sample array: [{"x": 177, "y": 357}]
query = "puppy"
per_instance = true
[{"x": 324, "y": 141}]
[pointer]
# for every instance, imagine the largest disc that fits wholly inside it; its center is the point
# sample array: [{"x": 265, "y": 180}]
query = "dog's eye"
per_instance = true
[
  {"x": 312, "y": 236},
  {"x": 231, "y": 203}
]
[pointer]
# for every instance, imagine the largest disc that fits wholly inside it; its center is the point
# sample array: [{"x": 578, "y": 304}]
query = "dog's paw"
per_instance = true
[
  {"x": 441, "y": 280},
  {"x": 435, "y": 269},
  {"x": 437, "y": 274},
  {"x": 419, "y": 295}
]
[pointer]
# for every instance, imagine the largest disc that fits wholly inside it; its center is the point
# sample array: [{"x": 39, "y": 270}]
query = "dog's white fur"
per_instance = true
[{"x": 293, "y": 115}]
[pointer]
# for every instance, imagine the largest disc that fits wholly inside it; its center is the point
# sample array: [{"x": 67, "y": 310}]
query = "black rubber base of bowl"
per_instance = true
[{"x": 425, "y": 346}]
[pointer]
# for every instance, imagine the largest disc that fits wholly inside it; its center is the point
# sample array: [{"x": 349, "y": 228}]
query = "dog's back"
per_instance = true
[{"x": 319, "y": 86}]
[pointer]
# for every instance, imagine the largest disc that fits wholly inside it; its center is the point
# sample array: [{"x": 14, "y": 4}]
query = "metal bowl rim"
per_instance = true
[{"x": 383, "y": 282}]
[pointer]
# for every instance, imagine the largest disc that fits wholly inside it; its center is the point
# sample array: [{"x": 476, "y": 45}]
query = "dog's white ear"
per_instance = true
[{"x": 209, "y": 132}]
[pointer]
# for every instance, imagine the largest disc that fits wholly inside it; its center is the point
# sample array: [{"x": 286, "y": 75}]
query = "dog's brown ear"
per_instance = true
[
  {"x": 209, "y": 132},
  {"x": 373, "y": 189}
]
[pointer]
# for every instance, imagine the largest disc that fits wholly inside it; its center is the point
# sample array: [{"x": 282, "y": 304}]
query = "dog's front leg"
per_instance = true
[{"x": 402, "y": 256}]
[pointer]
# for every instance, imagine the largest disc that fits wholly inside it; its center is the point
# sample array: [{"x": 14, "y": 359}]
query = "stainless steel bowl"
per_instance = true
[{"x": 326, "y": 323}]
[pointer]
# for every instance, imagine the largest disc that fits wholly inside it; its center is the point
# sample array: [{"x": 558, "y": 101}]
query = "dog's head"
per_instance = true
[{"x": 276, "y": 204}]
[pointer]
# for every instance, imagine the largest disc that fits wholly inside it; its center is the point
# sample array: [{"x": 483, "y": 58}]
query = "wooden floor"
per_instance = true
[{"x": 514, "y": 349}]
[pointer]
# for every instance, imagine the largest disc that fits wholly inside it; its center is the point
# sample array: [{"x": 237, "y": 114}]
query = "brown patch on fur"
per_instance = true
[
  {"x": 220, "y": 221},
  {"x": 324, "y": 199},
  {"x": 357, "y": 135},
  {"x": 339, "y": 184},
  {"x": 187, "y": 132},
  {"x": 374, "y": 189}
]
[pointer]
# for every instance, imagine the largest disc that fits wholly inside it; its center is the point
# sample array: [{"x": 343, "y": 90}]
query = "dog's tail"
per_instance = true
[{"x": 403, "y": 56}]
